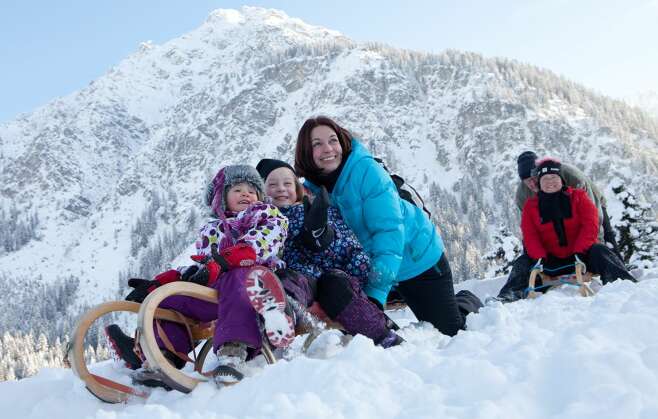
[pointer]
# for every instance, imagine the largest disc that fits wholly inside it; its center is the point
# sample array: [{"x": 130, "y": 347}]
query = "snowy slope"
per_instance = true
[{"x": 560, "y": 356}]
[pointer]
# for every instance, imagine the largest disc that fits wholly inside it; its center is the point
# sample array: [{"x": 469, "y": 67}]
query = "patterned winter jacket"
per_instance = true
[
  {"x": 540, "y": 240},
  {"x": 262, "y": 226},
  {"x": 400, "y": 239},
  {"x": 344, "y": 253}
]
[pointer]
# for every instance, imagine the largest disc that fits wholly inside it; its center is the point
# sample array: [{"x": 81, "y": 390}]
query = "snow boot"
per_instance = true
[
  {"x": 389, "y": 340},
  {"x": 149, "y": 378},
  {"x": 123, "y": 346},
  {"x": 268, "y": 298},
  {"x": 232, "y": 357}
]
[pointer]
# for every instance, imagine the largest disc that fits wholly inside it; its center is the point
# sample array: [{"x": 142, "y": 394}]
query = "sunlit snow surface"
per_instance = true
[{"x": 560, "y": 356}]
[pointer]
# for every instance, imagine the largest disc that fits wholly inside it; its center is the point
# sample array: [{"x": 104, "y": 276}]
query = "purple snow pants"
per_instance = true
[{"x": 236, "y": 318}]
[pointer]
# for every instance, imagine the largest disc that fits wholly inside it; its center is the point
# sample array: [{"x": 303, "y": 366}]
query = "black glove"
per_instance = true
[
  {"x": 200, "y": 277},
  {"x": 189, "y": 272},
  {"x": 317, "y": 234},
  {"x": 141, "y": 289},
  {"x": 143, "y": 286}
]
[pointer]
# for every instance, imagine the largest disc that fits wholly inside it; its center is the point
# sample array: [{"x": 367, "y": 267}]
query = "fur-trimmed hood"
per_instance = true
[{"x": 226, "y": 177}]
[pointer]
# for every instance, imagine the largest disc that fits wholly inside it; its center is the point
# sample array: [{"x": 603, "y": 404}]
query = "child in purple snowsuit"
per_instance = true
[
  {"x": 244, "y": 226},
  {"x": 325, "y": 261}
]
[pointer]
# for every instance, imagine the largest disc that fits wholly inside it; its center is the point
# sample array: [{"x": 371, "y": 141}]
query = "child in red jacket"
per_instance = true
[{"x": 561, "y": 223}]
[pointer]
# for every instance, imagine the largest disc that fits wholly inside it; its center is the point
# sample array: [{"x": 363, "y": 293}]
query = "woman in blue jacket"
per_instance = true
[{"x": 403, "y": 244}]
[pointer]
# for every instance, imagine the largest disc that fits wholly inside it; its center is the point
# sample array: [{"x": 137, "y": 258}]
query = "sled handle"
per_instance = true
[
  {"x": 531, "y": 282},
  {"x": 584, "y": 288}
]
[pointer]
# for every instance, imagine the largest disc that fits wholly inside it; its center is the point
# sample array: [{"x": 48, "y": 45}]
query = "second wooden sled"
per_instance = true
[{"x": 583, "y": 281}]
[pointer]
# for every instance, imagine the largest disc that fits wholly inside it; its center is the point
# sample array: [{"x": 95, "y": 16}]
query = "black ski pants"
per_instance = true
[
  {"x": 603, "y": 261},
  {"x": 431, "y": 297},
  {"x": 517, "y": 281}
]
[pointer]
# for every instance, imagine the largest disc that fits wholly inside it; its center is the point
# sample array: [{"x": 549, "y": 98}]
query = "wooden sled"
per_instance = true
[
  {"x": 582, "y": 280},
  {"x": 112, "y": 392},
  {"x": 175, "y": 378},
  {"x": 105, "y": 389}
]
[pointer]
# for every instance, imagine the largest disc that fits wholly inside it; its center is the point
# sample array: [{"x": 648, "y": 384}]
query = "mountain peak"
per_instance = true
[{"x": 258, "y": 18}]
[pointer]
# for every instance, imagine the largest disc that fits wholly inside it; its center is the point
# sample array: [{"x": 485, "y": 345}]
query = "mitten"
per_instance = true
[
  {"x": 142, "y": 287},
  {"x": 140, "y": 291},
  {"x": 315, "y": 215},
  {"x": 317, "y": 234},
  {"x": 240, "y": 255}
]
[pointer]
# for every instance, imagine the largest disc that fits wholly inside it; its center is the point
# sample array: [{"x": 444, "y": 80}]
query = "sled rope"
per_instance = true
[{"x": 170, "y": 347}]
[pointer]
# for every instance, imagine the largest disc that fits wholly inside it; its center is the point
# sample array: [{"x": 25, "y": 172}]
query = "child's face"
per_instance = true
[
  {"x": 240, "y": 196},
  {"x": 280, "y": 186}
]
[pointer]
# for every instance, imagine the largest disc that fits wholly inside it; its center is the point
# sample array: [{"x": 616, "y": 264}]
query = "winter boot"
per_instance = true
[
  {"x": 389, "y": 340},
  {"x": 149, "y": 378},
  {"x": 123, "y": 346},
  {"x": 232, "y": 357},
  {"x": 268, "y": 298}
]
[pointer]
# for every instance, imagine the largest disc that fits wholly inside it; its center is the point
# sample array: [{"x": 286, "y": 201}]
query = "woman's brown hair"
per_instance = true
[{"x": 304, "y": 164}]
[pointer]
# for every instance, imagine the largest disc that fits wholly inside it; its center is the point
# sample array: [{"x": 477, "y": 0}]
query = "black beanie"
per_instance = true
[
  {"x": 549, "y": 166},
  {"x": 266, "y": 166},
  {"x": 526, "y": 162}
]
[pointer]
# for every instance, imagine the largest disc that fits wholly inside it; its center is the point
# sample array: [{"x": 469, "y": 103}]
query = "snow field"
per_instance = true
[{"x": 558, "y": 356}]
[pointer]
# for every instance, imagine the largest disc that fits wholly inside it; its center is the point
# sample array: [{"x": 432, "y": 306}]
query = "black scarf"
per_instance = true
[
  {"x": 555, "y": 207},
  {"x": 329, "y": 180}
]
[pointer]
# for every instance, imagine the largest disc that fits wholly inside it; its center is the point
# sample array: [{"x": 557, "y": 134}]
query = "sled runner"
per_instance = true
[{"x": 580, "y": 278}]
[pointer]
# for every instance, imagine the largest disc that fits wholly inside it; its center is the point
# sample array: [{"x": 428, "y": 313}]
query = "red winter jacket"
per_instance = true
[{"x": 581, "y": 229}]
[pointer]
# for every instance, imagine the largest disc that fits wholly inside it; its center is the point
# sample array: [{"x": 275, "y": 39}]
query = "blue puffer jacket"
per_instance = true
[{"x": 401, "y": 240}]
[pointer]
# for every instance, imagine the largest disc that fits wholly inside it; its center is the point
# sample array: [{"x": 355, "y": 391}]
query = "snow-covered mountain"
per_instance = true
[
  {"x": 110, "y": 176},
  {"x": 560, "y": 356}
]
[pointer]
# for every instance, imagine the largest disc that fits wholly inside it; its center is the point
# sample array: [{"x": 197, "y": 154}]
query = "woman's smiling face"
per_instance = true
[{"x": 327, "y": 152}]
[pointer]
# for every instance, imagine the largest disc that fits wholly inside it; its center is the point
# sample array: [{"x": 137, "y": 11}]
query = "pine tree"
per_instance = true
[
  {"x": 506, "y": 248},
  {"x": 637, "y": 230}
]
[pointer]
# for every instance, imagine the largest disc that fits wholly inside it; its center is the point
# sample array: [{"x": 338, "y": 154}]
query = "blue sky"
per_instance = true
[{"x": 52, "y": 48}]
